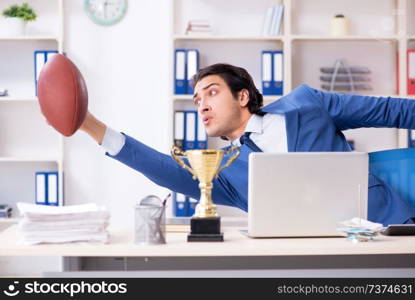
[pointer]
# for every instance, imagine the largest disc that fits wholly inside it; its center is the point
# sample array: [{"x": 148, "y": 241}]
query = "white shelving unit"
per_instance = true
[
  {"x": 18, "y": 99},
  {"x": 31, "y": 38},
  {"x": 226, "y": 37},
  {"x": 381, "y": 31},
  {"x": 344, "y": 38},
  {"x": 27, "y": 143}
]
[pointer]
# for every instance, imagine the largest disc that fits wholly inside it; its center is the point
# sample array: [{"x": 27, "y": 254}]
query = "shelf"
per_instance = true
[
  {"x": 293, "y": 37},
  {"x": 227, "y": 38},
  {"x": 391, "y": 95},
  {"x": 345, "y": 38},
  {"x": 374, "y": 95},
  {"x": 30, "y": 38},
  {"x": 182, "y": 97},
  {"x": 269, "y": 99},
  {"x": 190, "y": 98},
  {"x": 18, "y": 99},
  {"x": 9, "y": 220},
  {"x": 28, "y": 159}
]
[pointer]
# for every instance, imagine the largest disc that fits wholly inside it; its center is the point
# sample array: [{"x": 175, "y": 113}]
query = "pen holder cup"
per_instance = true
[{"x": 150, "y": 224}]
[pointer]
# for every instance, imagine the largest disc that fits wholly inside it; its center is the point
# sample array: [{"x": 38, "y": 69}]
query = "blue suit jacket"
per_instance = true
[{"x": 314, "y": 121}]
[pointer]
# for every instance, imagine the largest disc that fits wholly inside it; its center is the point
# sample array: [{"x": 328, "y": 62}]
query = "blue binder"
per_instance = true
[
  {"x": 190, "y": 128},
  {"x": 192, "y": 66},
  {"x": 47, "y": 188},
  {"x": 52, "y": 188},
  {"x": 179, "y": 205},
  {"x": 278, "y": 73},
  {"x": 40, "y": 59},
  {"x": 179, "y": 128},
  {"x": 180, "y": 78},
  {"x": 266, "y": 72},
  {"x": 41, "y": 188}
]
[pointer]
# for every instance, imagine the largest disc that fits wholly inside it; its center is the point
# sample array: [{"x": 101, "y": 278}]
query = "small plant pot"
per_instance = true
[{"x": 13, "y": 27}]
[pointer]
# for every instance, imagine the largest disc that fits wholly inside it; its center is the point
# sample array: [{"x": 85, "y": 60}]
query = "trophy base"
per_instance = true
[
  {"x": 205, "y": 237},
  {"x": 205, "y": 230}
]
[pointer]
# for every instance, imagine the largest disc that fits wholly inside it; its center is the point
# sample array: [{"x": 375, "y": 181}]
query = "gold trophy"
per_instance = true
[{"x": 205, "y": 223}]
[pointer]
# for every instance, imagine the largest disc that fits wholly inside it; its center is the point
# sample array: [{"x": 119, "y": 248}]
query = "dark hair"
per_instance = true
[{"x": 237, "y": 79}]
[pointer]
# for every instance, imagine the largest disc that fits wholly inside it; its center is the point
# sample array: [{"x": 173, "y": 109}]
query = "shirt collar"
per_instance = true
[{"x": 255, "y": 124}]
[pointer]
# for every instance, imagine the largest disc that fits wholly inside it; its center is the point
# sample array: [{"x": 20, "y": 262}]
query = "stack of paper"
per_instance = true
[
  {"x": 61, "y": 224},
  {"x": 359, "y": 230}
]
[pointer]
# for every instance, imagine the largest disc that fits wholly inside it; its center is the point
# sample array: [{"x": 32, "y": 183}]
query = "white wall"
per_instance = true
[{"x": 126, "y": 68}]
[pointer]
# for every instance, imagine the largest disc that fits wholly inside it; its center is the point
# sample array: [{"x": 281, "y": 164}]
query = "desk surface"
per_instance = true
[{"x": 121, "y": 243}]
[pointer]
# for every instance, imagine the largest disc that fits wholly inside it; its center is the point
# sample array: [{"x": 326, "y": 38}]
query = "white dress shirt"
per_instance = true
[{"x": 267, "y": 132}]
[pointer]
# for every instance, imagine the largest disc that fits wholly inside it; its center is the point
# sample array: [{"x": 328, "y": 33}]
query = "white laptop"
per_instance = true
[{"x": 302, "y": 194}]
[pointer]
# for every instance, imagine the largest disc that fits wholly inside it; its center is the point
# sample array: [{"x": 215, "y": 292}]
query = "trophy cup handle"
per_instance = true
[
  {"x": 230, "y": 160},
  {"x": 175, "y": 153}
]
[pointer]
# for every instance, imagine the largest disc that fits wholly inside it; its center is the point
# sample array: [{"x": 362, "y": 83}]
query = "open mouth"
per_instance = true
[{"x": 206, "y": 120}]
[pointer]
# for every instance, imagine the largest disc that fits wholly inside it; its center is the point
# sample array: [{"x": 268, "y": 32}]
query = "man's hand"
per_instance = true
[{"x": 94, "y": 127}]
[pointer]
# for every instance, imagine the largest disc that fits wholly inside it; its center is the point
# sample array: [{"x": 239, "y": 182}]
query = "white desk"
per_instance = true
[{"x": 281, "y": 257}]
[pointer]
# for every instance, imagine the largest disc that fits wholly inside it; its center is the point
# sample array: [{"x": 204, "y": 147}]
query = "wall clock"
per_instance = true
[{"x": 105, "y": 12}]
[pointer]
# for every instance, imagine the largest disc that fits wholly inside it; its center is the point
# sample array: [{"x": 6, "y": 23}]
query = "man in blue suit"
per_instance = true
[{"x": 304, "y": 120}]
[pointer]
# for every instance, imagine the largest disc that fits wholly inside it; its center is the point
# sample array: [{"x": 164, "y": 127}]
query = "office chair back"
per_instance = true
[{"x": 397, "y": 169}]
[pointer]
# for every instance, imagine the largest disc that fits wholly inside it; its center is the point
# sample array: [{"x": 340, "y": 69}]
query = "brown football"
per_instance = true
[{"x": 62, "y": 93}]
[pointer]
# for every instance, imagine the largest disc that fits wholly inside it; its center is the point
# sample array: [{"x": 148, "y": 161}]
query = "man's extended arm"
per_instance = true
[
  {"x": 156, "y": 166},
  {"x": 353, "y": 111}
]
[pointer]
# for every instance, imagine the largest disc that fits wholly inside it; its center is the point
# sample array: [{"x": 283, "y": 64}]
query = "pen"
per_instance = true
[
  {"x": 166, "y": 198},
  {"x": 161, "y": 232}
]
